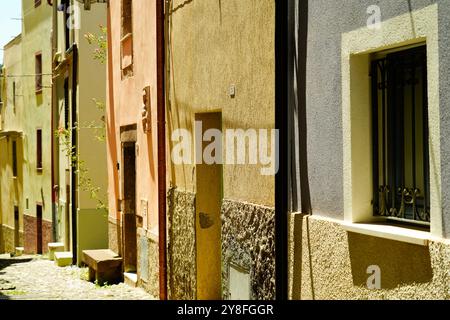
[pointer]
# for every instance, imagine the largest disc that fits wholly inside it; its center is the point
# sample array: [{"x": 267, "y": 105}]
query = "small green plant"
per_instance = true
[
  {"x": 101, "y": 43},
  {"x": 84, "y": 180}
]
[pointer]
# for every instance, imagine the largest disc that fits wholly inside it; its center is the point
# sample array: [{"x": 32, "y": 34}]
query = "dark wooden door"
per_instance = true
[
  {"x": 39, "y": 229},
  {"x": 129, "y": 207}
]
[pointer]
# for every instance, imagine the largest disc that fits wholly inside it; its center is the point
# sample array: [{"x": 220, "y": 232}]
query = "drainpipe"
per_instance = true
[
  {"x": 161, "y": 116},
  {"x": 74, "y": 125}
]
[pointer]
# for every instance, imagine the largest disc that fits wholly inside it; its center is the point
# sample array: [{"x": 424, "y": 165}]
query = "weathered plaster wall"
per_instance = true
[
  {"x": 228, "y": 43},
  {"x": 329, "y": 263},
  {"x": 248, "y": 240},
  {"x": 124, "y": 108},
  {"x": 181, "y": 247}
]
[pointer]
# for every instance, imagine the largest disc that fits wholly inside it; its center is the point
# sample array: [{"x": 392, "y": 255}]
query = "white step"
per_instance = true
[
  {"x": 19, "y": 251},
  {"x": 130, "y": 279},
  {"x": 54, "y": 247},
  {"x": 63, "y": 259}
]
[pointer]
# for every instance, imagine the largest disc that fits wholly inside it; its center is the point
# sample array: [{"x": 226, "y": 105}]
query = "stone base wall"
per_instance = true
[
  {"x": 148, "y": 262},
  {"x": 8, "y": 241},
  {"x": 181, "y": 246},
  {"x": 30, "y": 234},
  {"x": 248, "y": 240},
  {"x": 115, "y": 236},
  {"x": 328, "y": 263}
]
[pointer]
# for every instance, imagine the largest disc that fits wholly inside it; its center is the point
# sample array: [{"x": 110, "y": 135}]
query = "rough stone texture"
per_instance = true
[
  {"x": 2, "y": 243},
  {"x": 8, "y": 239},
  {"x": 248, "y": 233},
  {"x": 148, "y": 255},
  {"x": 329, "y": 263},
  {"x": 115, "y": 237},
  {"x": 35, "y": 278},
  {"x": 30, "y": 238},
  {"x": 182, "y": 263}
]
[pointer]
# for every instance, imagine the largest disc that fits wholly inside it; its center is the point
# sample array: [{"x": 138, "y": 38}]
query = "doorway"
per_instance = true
[
  {"x": 129, "y": 207},
  {"x": 208, "y": 206},
  {"x": 16, "y": 228},
  {"x": 39, "y": 229}
]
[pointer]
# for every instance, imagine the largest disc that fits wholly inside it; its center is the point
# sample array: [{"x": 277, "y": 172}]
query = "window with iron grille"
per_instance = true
[{"x": 400, "y": 136}]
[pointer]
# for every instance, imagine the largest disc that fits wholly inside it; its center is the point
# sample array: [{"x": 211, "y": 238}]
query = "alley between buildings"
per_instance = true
[{"x": 37, "y": 278}]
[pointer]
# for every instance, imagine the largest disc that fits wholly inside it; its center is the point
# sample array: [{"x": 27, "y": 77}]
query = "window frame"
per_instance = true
[{"x": 388, "y": 141}]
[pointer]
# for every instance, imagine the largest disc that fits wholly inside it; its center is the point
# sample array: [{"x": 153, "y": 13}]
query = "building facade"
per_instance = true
[
  {"x": 38, "y": 222},
  {"x": 135, "y": 141},
  {"x": 79, "y": 97},
  {"x": 373, "y": 219},
  {"x": 220, "y": 102},
  {"x": 11, "y": 144}
]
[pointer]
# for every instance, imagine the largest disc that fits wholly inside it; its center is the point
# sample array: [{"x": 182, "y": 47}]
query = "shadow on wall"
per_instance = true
[{"x": 400, "y": 263}]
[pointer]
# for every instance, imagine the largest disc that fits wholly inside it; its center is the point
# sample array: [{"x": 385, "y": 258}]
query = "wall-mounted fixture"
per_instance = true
[
  {"x": 146, "y": 110},
  {"x": 232, "y": 91}
]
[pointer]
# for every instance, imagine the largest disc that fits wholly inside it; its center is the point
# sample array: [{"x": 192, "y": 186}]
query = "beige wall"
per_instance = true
[
  {"x": 36, "y": 37},
  {"x": 11, "y": 188},
  {"x": 91, "y": 85},
  {"x": 211, "y": 46}
]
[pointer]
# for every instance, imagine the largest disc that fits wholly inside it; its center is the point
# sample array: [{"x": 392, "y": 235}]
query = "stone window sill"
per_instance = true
[{"x": 390, "y": 232}]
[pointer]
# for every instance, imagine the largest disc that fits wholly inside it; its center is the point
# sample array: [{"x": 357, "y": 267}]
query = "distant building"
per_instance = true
[
  {"x": 220, "y": 60},
  {"x": 12, "y": 148}
]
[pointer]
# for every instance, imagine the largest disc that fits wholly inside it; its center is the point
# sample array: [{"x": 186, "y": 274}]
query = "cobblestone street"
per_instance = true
[{"x": 36, "y": 278}]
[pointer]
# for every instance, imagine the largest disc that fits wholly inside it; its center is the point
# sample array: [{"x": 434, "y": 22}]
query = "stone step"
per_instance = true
[
  {"x": 130, "y": 279},
  {"x": 19, "y": 251},
  {"x": 54, "y": 247},
  {"x": 63, "y": 259}
]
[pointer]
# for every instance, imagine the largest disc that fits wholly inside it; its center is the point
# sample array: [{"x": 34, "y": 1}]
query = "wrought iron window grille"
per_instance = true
[{"x": 400, "y": 136}]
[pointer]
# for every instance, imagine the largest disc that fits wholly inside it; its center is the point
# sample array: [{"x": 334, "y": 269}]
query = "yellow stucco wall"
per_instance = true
[
  {"x": 11, "y": 187},
  {"x": 228, "y": 43}
]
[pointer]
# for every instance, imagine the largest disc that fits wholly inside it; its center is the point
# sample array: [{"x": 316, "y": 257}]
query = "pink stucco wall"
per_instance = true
[{"x": 125, "y": 106}]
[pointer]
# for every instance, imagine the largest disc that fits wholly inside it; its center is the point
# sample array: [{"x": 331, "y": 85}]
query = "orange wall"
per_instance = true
[{"x": 125, "y": 105}]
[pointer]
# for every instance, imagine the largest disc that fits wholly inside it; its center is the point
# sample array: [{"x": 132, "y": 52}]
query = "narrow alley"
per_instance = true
[{"x": 37, "y": 278}]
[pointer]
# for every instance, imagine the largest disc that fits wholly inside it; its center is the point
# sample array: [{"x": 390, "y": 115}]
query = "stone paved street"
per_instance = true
[{"x": 36, "y": 278}]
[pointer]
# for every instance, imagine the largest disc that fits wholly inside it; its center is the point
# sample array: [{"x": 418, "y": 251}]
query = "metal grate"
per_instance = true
[{"x": 400, "y": 136}]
